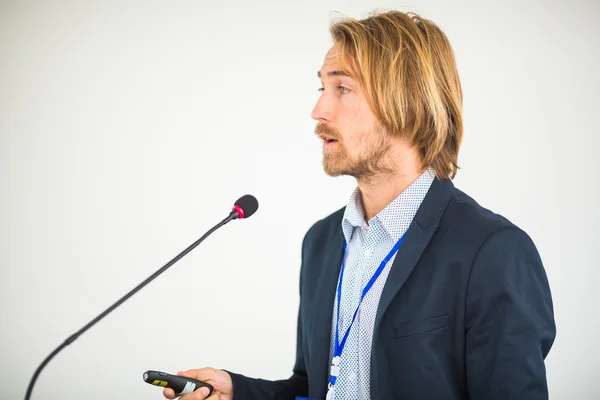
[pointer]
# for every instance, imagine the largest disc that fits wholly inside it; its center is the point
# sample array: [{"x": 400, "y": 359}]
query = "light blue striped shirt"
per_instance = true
[{"x": 368, "y": 244}]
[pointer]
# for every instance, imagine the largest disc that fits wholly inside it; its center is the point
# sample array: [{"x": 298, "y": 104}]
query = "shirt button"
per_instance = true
[
  {"x": 367, "y": 253},
  {"x": 352, "y": 377}
]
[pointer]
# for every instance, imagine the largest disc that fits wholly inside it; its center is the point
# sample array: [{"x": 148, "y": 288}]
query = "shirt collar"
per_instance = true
[{"x": 396, "y": 216}]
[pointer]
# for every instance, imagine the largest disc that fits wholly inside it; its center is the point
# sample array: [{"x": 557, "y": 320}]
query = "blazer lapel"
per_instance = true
[
  {"x": 326, "y": 287},
  {"x": 416, "y": 240}
]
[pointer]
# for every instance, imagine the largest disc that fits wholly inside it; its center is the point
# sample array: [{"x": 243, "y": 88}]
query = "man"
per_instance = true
[{"x": 413, "y": 290}]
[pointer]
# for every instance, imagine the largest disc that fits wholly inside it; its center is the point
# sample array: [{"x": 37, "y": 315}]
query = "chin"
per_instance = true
[
  {"x": 334, "y": 173},
  {"x": 333, "y": 169},
  {"x": 338, "y": 165}
]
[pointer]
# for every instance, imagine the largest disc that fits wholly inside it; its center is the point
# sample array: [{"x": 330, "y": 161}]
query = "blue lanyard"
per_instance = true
[{"x": 339, "y": 346}]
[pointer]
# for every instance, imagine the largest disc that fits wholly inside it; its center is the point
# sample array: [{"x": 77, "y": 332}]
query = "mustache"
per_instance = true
[{"x": 322, "y": 128}]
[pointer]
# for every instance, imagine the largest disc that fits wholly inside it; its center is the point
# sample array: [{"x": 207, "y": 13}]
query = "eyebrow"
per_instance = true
[{"x": 334, "y": 73}]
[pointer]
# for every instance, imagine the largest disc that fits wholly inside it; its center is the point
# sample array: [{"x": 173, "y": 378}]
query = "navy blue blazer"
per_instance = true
[{"x": 466, "y": 311}]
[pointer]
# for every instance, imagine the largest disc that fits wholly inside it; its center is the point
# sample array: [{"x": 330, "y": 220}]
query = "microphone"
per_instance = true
[{"x": 244, "y": 207}]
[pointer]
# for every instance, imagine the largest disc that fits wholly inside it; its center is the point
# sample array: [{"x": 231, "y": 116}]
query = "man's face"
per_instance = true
[{"x": 354, "y": 142}]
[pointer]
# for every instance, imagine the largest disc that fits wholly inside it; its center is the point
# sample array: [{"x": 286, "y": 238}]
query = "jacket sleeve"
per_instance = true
[
  {"x": 510, "y": 324},
  {"x": 245, "y": 388}
]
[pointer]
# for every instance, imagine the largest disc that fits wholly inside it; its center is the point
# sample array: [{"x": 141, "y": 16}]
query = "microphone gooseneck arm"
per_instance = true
[{"x": 233, "y": 215}]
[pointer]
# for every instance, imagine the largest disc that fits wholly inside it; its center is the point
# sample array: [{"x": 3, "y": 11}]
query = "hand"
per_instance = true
[
  {"x": 200, "y": 394},
  {"x": 220, "y": 381}
]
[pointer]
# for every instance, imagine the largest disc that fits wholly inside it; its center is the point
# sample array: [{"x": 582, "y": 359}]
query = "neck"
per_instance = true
[{"x": 380, "y": 190}]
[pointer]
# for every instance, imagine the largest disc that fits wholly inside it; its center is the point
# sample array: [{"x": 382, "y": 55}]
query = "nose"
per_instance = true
[{"x": 322, "y": 110}]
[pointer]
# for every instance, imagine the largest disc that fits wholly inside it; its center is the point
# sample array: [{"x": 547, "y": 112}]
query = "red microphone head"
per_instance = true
[{"x": 245, "y": 206}]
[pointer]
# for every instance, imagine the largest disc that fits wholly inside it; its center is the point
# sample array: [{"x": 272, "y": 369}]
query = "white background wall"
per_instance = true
[{"x": 127, "y": 129}]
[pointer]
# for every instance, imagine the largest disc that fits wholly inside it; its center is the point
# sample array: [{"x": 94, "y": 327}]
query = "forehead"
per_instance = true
[
  {"x": 331, "y": 57},
  {"x": 331, "y": 62}
]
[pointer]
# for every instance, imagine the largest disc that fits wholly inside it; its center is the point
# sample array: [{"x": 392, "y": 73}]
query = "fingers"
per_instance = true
[
  {"x": 199, "y": 394},
  {"x": 214, "y": 396},
  {"x": 202, "y": 374}
]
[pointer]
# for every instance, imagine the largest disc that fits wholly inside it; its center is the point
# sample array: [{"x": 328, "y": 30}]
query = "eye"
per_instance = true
[{"x": 342, "y": 89}]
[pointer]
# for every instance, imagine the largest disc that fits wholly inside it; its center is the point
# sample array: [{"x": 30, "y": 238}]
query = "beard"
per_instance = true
[{"x": 369, "y": 164}]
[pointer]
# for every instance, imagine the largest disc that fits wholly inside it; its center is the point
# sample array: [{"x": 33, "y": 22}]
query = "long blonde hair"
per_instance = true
[{"x": 407, "y": 68}]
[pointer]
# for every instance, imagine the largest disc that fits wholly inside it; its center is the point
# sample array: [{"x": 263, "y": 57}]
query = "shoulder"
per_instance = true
[
  {"x": 485, "y": 232},
  {"x": 465, "y": 216},
  {"x": 463, "y": 207}
]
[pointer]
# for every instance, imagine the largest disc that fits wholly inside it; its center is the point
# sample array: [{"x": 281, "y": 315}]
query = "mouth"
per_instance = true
[{"x": 327, "y": 139}]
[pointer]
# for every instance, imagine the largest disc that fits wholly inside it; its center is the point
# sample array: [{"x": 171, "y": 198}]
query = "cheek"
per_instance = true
[
  {"x": 357, "y": 129},
  {"x": 354, "y": 144},
  {"x": 361, "y": 141}
]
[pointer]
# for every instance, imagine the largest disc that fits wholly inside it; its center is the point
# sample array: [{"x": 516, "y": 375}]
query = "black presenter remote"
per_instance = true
[{"x": 180, "y": 384}]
